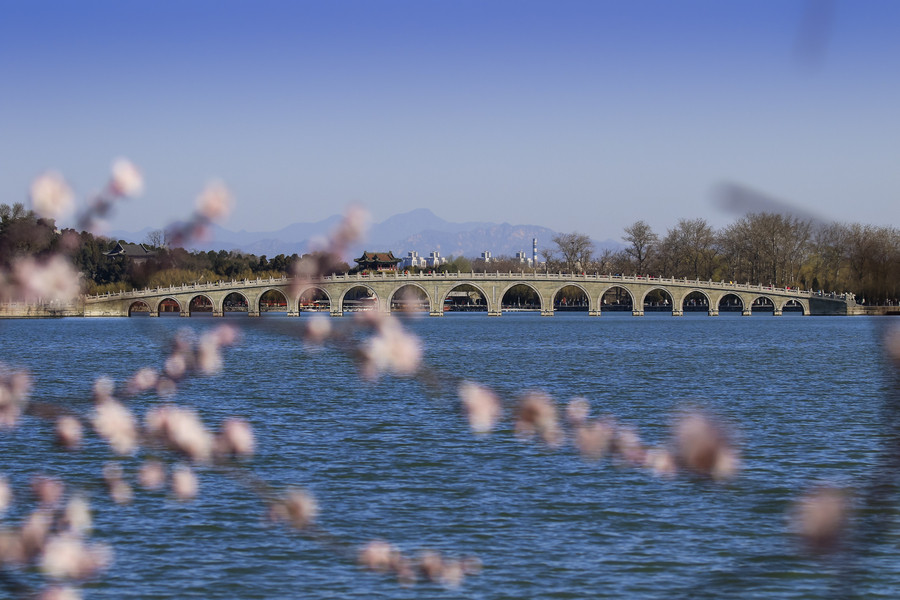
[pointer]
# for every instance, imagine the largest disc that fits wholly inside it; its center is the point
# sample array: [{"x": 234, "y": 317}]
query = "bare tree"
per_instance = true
[
  {"x": 689, "y": 250},
  {"x": 576, "y": 250},
  {"x": 157, "y": 238},
  {"x": 643, "y": 242}
]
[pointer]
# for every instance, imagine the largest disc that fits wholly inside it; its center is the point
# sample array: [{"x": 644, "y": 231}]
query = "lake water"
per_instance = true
[{"x": 807, "y": 397}]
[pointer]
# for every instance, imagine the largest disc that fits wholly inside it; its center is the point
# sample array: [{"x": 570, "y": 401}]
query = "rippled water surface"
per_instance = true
[{"x": 805, "y": 396}]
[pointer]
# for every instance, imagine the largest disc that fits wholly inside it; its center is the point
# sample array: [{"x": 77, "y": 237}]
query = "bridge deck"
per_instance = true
[{"x": 437, "y": 287}]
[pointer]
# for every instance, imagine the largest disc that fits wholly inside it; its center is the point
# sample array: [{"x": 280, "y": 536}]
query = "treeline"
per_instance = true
[
  {"x": 24, "y": 233},
  {"x": 766, "y": 248}
]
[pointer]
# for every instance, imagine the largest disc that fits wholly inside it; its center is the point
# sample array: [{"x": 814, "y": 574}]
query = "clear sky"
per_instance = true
[{"x": 576, "y": 115}]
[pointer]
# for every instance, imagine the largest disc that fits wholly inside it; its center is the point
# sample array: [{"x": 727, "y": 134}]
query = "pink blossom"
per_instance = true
[
  {"x": 660, "y": 462},
  {"x": 6, "y": 495},
  {"x": 536, "y": 415},
  {"x": 236, "y": 438},
  {"x": 144, "y": 379},
  {"x": 225, "y": 335},
  {"x": 77, "y": 516},
  {"x": 353, "y": 226},
  {"x": 152, "y": 475},
  {"x": 578, "y": 410},
  {"x": 628, "y": 446},
  {"x": 215, "y": 202},
  {"x": 68, "y": 557},
  {"x": 15, "y": 387},
  {"x": 103, "y": 389},
  {"x": 298, "y": 508},
  {"x": 703, "y": 447},
  {"x": 51, "y": 280},
  {"x": 182, "y": 430},
  {"x": 209, "y": 359},
  {"x": 51, "y": 196},
  {"x": 379, "y": 555},
  {"x": 165, "y": 387},
  {"x": 391, "y": 350},
  {"x": 119, "y": 489},
  {"x": 115, "y": 423},
  {"x": 318, "y": 329},
  {"x": 820, "y": 518},
  {"x": 68, "y": 432},
  {"x": 48, "y": 490},
  {"x": 176, "y": 366},
  {"x": 12, "y": 548},
  {"x": 34, "y": 532},
  {"x": 58, "y": 592},
  {"x": 184, "y": 483},
  {"x": 126, "y": 179},
  {"x": 481, "y": 405},
  {"x": 595, "y": 440}
]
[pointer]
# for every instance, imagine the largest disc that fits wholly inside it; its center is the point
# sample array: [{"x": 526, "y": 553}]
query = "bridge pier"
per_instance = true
[
  {"x": 218, "y": 313},
  {"x": 154, "y": 313},
  {"x": 594, "y": 313},
  {"x": 495, "y": 313},
  {"x": 185, "y": 313},
  {"x": 777, "y": 312},
  {"x": 336, "y": 313},
  {"x": 547, "y": 313},
  {"x": 746, "y": 312},
  {"x": 637, "y": 313},
  {"x": 713, "y": 312},
  {"x": 436, "y": 313},
  {"x": 677, "y": 313}
]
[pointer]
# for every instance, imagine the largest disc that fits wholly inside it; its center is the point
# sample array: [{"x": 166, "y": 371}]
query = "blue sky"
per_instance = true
[{"x": 576, "y": 115}]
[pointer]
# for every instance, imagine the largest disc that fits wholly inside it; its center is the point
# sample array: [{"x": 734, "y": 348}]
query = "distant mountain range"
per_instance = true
[{"x": 419, "y": 230}]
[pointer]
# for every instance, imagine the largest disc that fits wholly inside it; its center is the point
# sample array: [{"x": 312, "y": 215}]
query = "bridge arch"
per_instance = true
[
  {"x": 201, "y": 303},
  {"x": 587, "y": 296},
  {"x": 352, "y": 292},
  {"x": 235, "y": 302},
  {"x": 445, "y": 296},
  {"x": 401, "y": 297},
  {"x": 309, "y": 298},
  {"x": 804, "y": 305},
  {"x": 165, "y": 306},
  {"x": 268, "y": 296},
  {"x": 139, "y": 306},
  {"x": 669, "y": 298},
  {"x": 727, "y": 302},
  {"x": 617, "y": 305},
  {"x": 541, "y": 305},
  {"x": 763, "y": 304},
  {"x": 686, "y": 298}
]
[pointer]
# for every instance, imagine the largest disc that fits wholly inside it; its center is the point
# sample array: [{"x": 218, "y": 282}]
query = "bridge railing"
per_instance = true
[{"x": 509, "y": 275}]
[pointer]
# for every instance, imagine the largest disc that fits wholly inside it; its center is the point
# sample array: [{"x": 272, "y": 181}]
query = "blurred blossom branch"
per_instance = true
[
  {"x": 213, "y": 205},
  {"x": 174, "y": 444}
]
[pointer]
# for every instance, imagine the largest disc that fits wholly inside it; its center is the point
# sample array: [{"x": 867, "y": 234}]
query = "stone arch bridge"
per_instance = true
[{"x": 382, "y": 290}]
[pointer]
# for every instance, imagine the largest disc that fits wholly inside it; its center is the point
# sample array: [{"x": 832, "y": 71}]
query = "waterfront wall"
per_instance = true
[{"x": 22, "y": 310}]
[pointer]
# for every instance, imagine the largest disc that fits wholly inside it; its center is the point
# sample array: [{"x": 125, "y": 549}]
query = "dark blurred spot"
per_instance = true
[{"x": 814, "y": 33}]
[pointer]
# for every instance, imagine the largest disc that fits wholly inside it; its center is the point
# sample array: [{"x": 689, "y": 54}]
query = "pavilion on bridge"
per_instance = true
[{"x": 377, "y": 261}]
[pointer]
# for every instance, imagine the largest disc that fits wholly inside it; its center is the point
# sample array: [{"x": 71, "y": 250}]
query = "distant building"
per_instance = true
[
  {"x": 523, "y": 258},
  {"x": 486, "y": 256},
  {"x": 412, "y": 260},
  {"x": 435, "y": 259},
  {"x": 137, "y": 253},
  {"x": 377, "y": 261}
]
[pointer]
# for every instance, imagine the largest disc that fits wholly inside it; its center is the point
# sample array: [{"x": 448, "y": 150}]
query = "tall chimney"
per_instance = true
[{"x": 534, "y": 253}]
